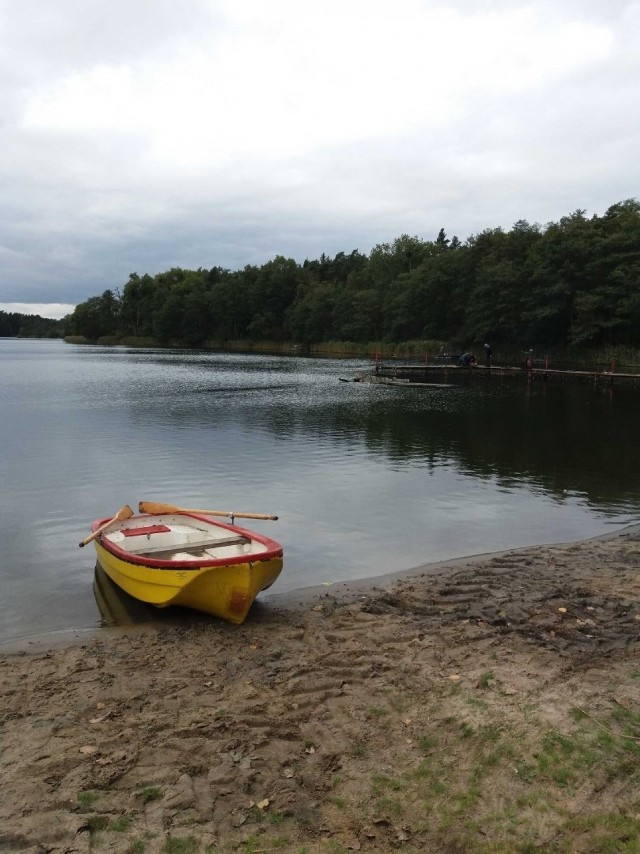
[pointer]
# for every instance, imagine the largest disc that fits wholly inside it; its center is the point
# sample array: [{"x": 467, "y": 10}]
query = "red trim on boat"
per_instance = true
[{"x": 272, "y": 548}]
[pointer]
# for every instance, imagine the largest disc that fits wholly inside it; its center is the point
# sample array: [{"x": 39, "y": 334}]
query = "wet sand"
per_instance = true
[{"x": 418, "y": 711}]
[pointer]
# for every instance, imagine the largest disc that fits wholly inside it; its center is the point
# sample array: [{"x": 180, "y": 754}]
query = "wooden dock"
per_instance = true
[{"x": 432, "y": 374}]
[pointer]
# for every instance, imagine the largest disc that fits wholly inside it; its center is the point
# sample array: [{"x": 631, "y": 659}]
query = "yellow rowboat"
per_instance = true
[{"x": 186, "y": 558}]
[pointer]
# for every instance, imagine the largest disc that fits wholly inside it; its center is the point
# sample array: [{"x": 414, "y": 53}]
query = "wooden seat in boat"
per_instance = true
[{"x": 195, "y": 545}]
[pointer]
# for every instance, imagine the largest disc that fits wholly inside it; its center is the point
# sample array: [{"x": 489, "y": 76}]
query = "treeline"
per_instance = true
[
  {"x": 14, "y": 325},
  {"x": 570, "y": 284}
]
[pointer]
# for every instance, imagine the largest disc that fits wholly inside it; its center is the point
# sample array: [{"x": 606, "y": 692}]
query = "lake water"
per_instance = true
[{"x": 366, "y": 479}]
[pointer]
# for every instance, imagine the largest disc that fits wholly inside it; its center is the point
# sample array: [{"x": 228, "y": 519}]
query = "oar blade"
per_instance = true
[
  {"x": 157, "y": 507},
  {"x": 123, "y": 513}
]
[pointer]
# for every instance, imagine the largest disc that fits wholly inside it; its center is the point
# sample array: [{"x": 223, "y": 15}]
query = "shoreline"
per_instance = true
[
  {"x": 292, "y": 599},
  {"x": 488, "y": 703},
  {"x": 369, "y": 584}
]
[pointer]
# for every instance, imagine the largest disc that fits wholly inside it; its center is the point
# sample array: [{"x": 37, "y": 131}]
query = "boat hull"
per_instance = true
[{"x": 223, "y": 588}]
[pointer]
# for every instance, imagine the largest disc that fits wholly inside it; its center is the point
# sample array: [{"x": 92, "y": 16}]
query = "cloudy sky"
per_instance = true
[{"x": 139, "y": 135}]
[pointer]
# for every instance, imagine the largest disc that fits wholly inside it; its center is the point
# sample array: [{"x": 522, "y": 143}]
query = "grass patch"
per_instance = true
[
  {"x": 482, "y": 780},
  {"x": 252, "y": 844},
  {"x": 376, "y": 712},
  {"x": 381, "y": 783},
  {"x": 466, "y": 730},
  {"x": 150, "y": 793},
  {"x": 607, "y": 832},
  {"x": 485, "y": 680},
  {"x": 119, "y": 825},
  {"x": 389, "y": 806},
  {"x": 427, "y": 743},
  {"x": 489, "y": 733},
  {"x": 181, "y": 845},
  {"x": 474, "y": 701},
  {"x": 526, "y": 771},
  {"x": 430, "y": 778},
  {"x": 96, "y": 823}
]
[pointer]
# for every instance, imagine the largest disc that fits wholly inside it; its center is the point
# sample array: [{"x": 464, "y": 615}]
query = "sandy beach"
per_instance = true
[{"x": 486, "y": 704}]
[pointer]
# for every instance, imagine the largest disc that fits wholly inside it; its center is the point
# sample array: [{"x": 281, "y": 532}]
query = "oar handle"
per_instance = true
[
  {"x": 237, "y": 515},
  {"x": 155, "y": 507}
]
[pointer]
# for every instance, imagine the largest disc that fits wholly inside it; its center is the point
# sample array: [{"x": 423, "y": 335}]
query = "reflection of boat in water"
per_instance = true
[{"x": 116, "y": 607}]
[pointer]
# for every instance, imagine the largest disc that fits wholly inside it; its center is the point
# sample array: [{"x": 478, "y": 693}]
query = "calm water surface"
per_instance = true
[{"x": 366, "y": 479}]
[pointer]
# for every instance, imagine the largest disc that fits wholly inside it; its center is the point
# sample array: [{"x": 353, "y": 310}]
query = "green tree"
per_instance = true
[
  {"x": 138, "y": 304},
  {"x": 311, "y": 314},
  {"x": 185, "y": 314},
  {"x": 230, "y": 307},
  {"x": 607, "y": 307},
  {"x": 97, "y": 317},
  {"x": 555, "y": 273},
  {"x": 270, "y": 296}
]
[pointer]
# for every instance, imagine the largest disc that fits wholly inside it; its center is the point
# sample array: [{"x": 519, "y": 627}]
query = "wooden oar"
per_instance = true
[
  {"x": 154, "y": 508},
  {"x": 123, "y": 513}
]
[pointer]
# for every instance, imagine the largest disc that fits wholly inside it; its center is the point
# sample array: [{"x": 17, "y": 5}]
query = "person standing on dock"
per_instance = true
[{"x": 488, "y": 352}]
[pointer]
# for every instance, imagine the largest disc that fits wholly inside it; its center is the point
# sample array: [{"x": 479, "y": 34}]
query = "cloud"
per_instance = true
[
  {"x": 143, "y": 135},
  {"x": 52, "y": 310}
]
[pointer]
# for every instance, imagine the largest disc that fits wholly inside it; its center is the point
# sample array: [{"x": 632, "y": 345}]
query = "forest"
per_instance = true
[
  {"x": 571, "y": 284},
  {"x": 15, "y": 325}
]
